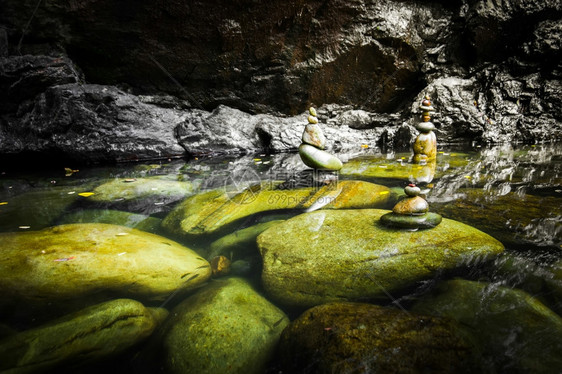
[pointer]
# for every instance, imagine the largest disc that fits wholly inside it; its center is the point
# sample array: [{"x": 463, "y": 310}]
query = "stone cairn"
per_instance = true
[
  {"x": 313, "y": 144},
  {"x": 411, "y": 212},
  {"x": 425, "y": 145}
]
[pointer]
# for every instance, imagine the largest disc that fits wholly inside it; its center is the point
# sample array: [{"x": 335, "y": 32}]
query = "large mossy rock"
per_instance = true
[
  {"x": 213, "y": 211},
  {"x": 88, "y": 260},
  {"x": 225, "y": 328},
  {"x": 519, "y": 333},
  {"x": 364, "y": 338},
  {"x": 146, "y": 195},
  {"x": 515, "y": 219},
  {"x": 86, "y": 336},
  {"x": 339, "y": 255},
  {"x": 318, "y": 159}
]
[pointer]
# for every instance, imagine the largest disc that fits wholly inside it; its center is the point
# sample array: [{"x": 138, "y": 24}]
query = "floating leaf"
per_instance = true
[
  {"x": 384, "y": 192},
  {"x": 25, "y": 227},
  {"x": 86, "y": 194},
  {"x": 4, "y": 203}
]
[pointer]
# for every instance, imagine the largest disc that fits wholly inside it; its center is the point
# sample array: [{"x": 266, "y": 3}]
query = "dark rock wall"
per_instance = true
[{"x": 493, "y": 66}]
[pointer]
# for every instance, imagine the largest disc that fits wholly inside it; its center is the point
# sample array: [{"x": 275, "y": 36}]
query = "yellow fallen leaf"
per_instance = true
[
  {"x": 86, "y": 194},
  {"x": 384, "y": 192},
  {"x": 468, "y": 177},
  {"x": 257, "y": 159},
  {"x": 4, "y": 203},
  {"x": 364, "y": 145}
]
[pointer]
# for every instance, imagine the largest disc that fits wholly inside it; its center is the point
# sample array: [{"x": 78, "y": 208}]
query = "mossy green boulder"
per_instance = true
[
  {"x": 364, "y": 338},
  {"x": 86, "y": 260},
  {"x": 518, "y": 333},
  {"x": 89, "y": 335},
  {"x": 226, "y": 327},
  {"x": 213, "y": 211},
  {"x": 113, "y": 217},
  {"x": 145, "y": 195},
  {"x": 516, "y": 220},
  {"x": 338, "y": 255}
]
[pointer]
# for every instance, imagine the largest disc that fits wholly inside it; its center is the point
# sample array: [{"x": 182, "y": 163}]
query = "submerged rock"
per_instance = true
[
  {"x": 241, "y": 242},
  {"x": 37, "y": 209},
  {"x": 513, "y": 218},
  {"x": 88, "y": 261},
  {"x": 146, "y": 195},
  {"x": 380, "y": 167},
  {"x": 225, "y": 328},
  {"x": 365, "y": 338},
  {"x": 517, "y": 332},
  {"x": 347, "y": 255},
  {"x": 113, "y": 217},
  {"x": 212, "y": 211},
  {"x": 90, "y": 335}
]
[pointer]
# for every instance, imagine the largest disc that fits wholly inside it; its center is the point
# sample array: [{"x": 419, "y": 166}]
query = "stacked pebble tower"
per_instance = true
[
  {"x": 411, "y": 212},
  {"x": 425, "y": 145},
  {"x": 313, "y": 144}
]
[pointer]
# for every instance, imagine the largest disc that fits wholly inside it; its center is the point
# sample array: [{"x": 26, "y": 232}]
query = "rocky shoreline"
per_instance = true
[{"x": 93, "y": 87}]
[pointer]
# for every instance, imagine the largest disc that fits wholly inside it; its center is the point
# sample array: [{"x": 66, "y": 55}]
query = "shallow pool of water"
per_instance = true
[{"x": 512, "y": 193}]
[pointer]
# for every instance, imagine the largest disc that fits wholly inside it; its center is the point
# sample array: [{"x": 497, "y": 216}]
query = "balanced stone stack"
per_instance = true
[
  {"x": 412, "y": 212},
  {"x": 425, "y": 145},
  {"x": 313, "y": 144}
]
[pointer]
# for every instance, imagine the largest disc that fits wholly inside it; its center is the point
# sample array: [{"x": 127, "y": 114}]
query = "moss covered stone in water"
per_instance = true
[
  {"x": 80, "y": 261},
  {"x": 213, "y": 211},
  {"x": 113, "y": 217},
  {"x": 517, "y": 332},
  {"x": 226, "y": 327},
  {"x": 86, "y": 336},
  {"x": 365, "y": 338},
  {"x": 347, "y": 254}
]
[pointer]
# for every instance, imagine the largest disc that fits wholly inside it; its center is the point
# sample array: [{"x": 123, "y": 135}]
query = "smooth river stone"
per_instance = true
[
  {"x": 79, "y": 261},
  {"x": 425, "y": 147},
  {"x": 90, "y": 335},
  {"x": 318, "y": 159},
  {"x": 339, "y": 255},
  {"x": 226, "y": 327},
  {"x": 423, "y": 221},
  {"x": 412, "y": 205},
  {"x": 212, "y": 212},
  {"x": 313, "y": 135},
  {"x": 425, "y": 127}
]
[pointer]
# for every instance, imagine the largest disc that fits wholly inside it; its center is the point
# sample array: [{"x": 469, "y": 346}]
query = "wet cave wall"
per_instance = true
[{"x": 102, "y": 80}]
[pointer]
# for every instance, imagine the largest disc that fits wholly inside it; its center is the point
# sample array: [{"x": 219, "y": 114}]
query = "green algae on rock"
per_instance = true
[
  {"x": 245, "y": 330},
  {"x": 364, "y": 338},
  {"x": 135, "y": 194},
  {"x": 79, "y": 261},
  {"x": 212, "y": 211},
  {"x": 340, "y": 255},
  {"x": 86, "y": 336},
  {"x": 517, "y": 331},
  {"x": 113, "y": 217}
]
